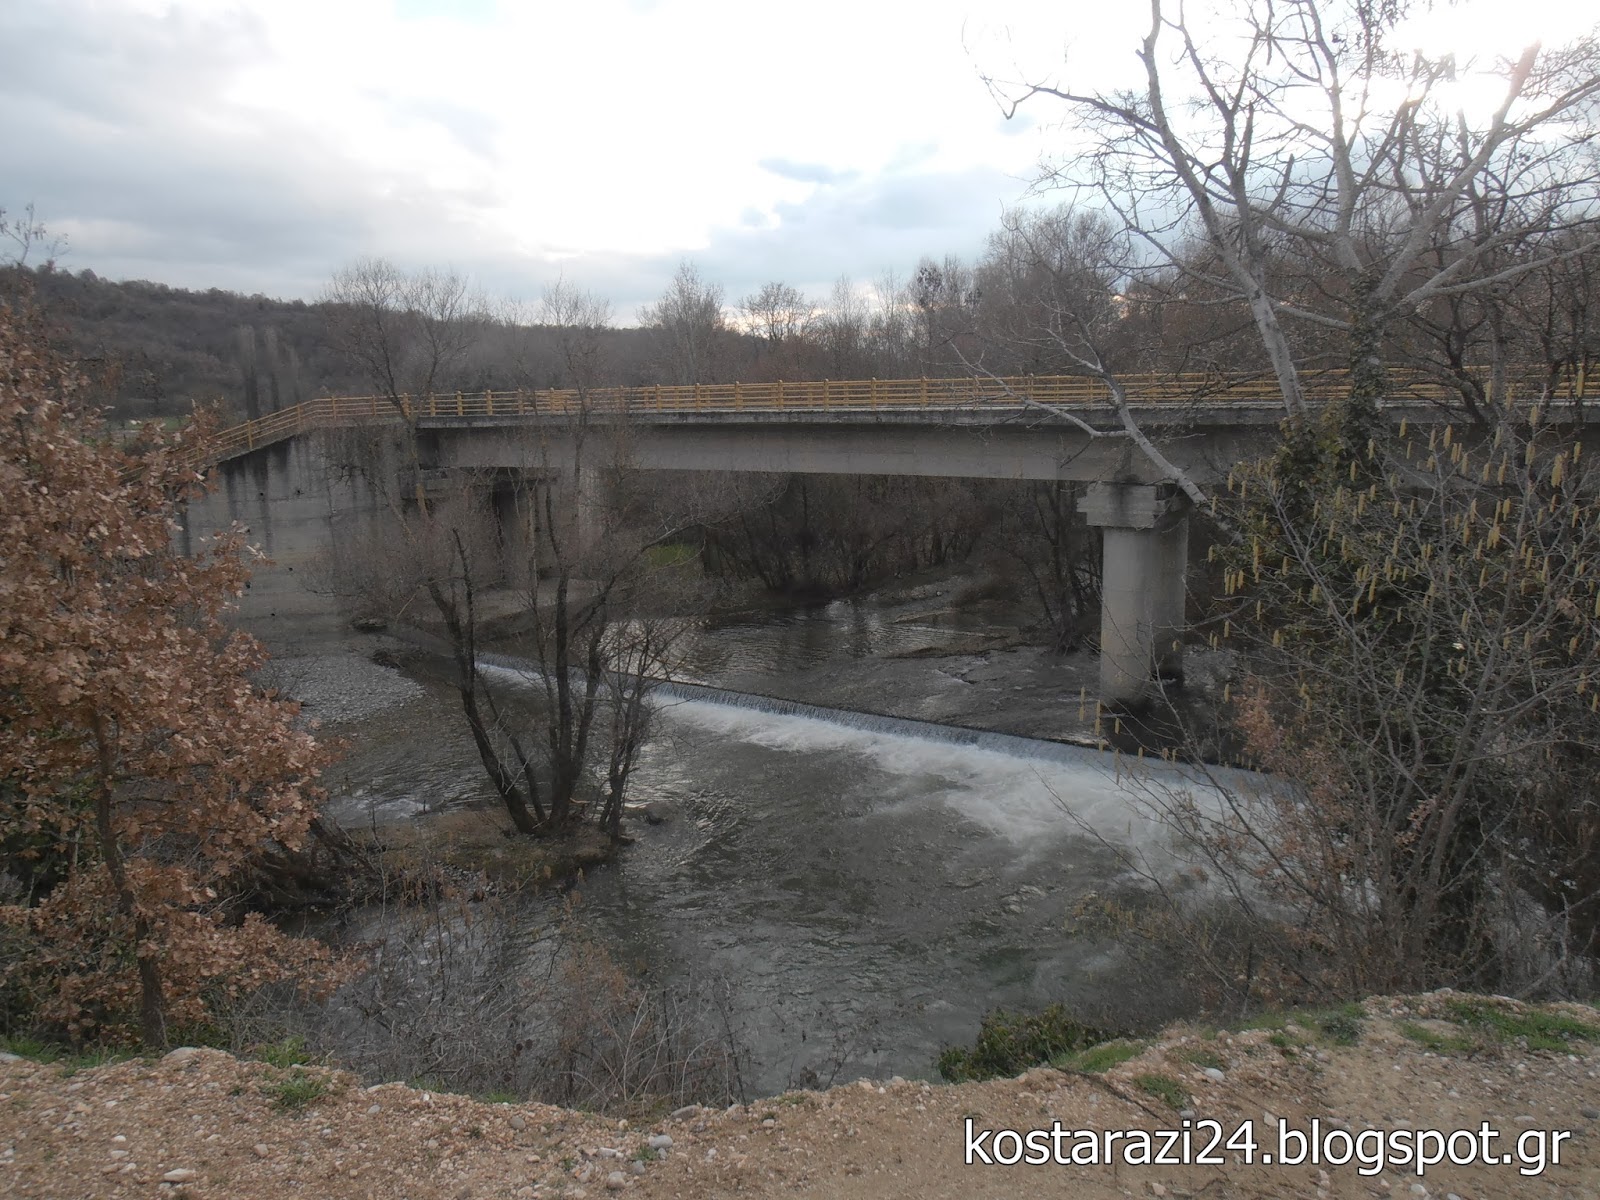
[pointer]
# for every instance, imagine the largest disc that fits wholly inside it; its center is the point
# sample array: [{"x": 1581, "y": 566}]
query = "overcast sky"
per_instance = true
[{"x": 258, "y": 145}]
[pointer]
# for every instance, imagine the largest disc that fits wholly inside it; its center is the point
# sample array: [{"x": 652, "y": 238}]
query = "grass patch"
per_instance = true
[
  {"x": 500, "y": 1098},
  {"x": 70, "y": 1060},
  {"x": 1009, "y": 1043},
  {"x": 1433, "y": 1039},
  {"x": 296, "y": 1090},
  {"x": 1164, "y": 1088},
  {"x": 1200, "y": 1056},
  {"x": 1342, "y": 1026},
  {"x": 27, "y": 1047},
  {"x": 1098, "y": 1059},
  {"x": 290, "y": 1052},
  {"x": 1497, "y": 1024}
]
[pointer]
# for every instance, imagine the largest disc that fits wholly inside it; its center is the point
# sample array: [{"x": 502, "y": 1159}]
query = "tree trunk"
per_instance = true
[{"x": 152, "y": 1017}]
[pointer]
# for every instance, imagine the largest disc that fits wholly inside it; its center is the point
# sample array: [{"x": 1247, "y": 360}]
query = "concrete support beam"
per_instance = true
[{"x": 1145, "y": 534}]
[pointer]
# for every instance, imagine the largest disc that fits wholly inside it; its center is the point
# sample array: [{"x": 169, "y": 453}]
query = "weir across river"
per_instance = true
[{"x": 278, "y": 476}]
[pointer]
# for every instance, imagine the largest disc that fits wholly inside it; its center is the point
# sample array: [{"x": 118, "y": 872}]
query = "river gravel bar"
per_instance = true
[{"x": 337, "y": 687}]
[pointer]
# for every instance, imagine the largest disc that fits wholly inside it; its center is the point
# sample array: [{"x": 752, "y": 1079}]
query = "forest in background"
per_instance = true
[{"x": 1049, "y": 284}]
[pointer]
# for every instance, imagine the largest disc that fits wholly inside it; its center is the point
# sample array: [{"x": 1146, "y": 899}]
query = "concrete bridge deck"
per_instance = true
[
  {"x": 1158, "y": 399},
  {"x": 967, "y": 427}
]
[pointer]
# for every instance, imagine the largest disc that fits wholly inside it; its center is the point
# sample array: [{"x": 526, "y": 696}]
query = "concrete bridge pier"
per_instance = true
[
  {"x": 587, "y": 489},
  {"x": 1145, "y": 533}
]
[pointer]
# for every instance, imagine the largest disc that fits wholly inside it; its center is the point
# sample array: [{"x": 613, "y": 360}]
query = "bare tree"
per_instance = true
[
  {"x": 892, "y": 336},
  {"x": 690, "y": 327},
  {"x": 597, "y": 625},
  {"x": 942, "y": 296},
  {"x": 1295, "y": 131},
  {"x": 579, "y": 319},
  {"x": 408, "y": 333},
  {"x": 842, "y": 330},
  {"x": 780, "y": 317},
  {"x": 778, "y": 313},
  {"x": 1048, "y": 284},
  {"x": 25, "y": 235}
]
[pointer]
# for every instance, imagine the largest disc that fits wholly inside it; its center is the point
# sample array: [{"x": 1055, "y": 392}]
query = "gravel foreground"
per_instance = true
[{"x": 202, "y": 1124}]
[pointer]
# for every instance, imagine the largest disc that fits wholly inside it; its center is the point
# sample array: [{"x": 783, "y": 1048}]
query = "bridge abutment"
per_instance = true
[{"x": 1145, "y": 534}]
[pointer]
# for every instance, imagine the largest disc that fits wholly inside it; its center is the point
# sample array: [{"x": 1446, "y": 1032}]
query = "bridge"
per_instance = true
[{"x": 1048, "y": 428}]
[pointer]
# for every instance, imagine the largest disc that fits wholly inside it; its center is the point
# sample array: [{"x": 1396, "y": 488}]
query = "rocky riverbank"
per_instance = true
[{"x": 200, "y": 1123}]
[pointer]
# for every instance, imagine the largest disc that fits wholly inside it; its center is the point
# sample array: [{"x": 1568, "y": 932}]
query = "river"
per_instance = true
[{"x": 862, "y": 890}]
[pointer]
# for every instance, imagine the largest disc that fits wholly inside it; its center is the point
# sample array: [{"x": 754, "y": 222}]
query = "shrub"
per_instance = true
[{"x": 1010, "y": 1043}]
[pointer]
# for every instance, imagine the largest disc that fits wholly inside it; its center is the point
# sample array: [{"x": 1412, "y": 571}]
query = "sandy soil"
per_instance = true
[{"x": 200, "y": 1123}]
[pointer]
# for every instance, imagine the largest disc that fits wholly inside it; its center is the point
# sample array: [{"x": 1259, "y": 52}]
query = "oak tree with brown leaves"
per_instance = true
[{"x": 140, "y": 766}]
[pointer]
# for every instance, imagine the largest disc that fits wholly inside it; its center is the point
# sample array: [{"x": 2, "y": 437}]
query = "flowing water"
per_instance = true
[{"x": 866, "y": 888}]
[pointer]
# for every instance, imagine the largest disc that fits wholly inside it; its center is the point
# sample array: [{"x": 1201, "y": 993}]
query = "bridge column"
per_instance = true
[
  {"x": 588, "y": 512},
  {"x": 514, "y": 513},
  {"x": 1145, "y": 532}
]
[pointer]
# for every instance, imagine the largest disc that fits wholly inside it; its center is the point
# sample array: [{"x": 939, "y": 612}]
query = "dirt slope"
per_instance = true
[{"x": 203, "y": 1124}]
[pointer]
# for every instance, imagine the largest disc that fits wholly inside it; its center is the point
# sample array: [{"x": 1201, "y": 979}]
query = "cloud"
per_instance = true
[
  {"x": 259, "y": 145},
  {"x": 802, "y": 172},
  {"x": 873, "y": 226},
  {"x": 123, "y": 133}
]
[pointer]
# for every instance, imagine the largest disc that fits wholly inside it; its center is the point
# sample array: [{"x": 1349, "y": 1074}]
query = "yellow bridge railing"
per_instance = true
[{"x": 811, "y": 395}]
